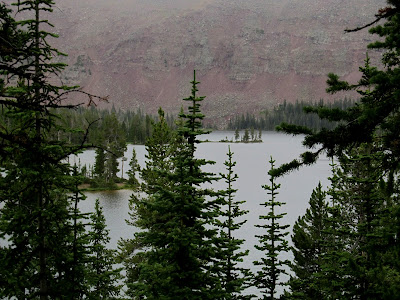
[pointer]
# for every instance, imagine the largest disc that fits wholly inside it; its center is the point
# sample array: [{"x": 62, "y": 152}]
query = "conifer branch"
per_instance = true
[{"x": 383, "y": 13}]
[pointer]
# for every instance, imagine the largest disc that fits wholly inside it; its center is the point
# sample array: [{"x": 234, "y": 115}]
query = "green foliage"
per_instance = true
[
  {"x": 99, "y": 165},
  {"x": 174, "y": 249},
  {"x": 76, "y": 265},
  {"x": 89, "y": 123},
  {"x": 309, "y": 236},
  {"x": 362, "y": 223},
  {"x": 35, "y": 218},
  {"x": 160, "y": 148},
  {"x": 114, "y": 143},
  {"x": 237, "y": 136},
  {"x": 102, "y": 276},
  {"x": 246, "y": 136},
  {"x": 107, "y": 132},
  {"x": 296, "y": 113},
  {"x": 376, "y": 112},
  {"x": 233, "y": 278},
  {"x": 272, "y": 243},
  {"x": 360, "y": 242},
  {"x": 347, "y": 248},
  {"x": 111, "y": 145},
  {"x": 46, "y": 249},
  {"x": 134, "y": 168}
]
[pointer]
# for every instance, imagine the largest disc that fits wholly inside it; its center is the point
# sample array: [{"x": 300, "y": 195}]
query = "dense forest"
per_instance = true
[
  {"x": 294, "y": 113},
  {"x": 136, "y": 127},
  {"x": 345, "y": 246},
  {"x": 132, "y": 126},
  {"x": 109, "y": 131}
]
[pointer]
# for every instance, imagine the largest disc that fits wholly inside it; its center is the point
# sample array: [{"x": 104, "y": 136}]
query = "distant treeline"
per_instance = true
[
  {"x": 132, "y": 126},
  {"x": 292, "y": 113},
  {"x": 136, "y": 126}
]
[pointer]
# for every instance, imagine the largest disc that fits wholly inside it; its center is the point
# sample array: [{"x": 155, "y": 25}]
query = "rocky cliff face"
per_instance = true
[{"x": 248, "y": 55}]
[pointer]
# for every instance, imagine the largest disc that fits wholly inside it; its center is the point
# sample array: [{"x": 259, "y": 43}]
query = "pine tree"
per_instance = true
[
  {"x": 237, "y": 136},
  {"x": 360, "y": 259},
  {"x": 99, "y": 165},
  {"x": 102, "y": 276},
  {"x": 32, "y": 201},
  {"x": 356, "y": 249},
  {"x": 246, "y": 136},
  {"x": 234, "y": 278},
  {"x": 160, "y": 148},
  {"x": 377, "y": 111},
  {"x": 78, "y": 246},
  {"x": 111, "y": 145},
  {"x": 134, "y": 168},
  {"x": 309, "y": 234},
  {"x": 115, "y": 144},
  {"x": 253, "y": 134},
  {"x": 179, "y": 246},
  {"x": 362, "y": 229},
  {"x": 35, "y": 218},
  {"x": 272, "y": 243}
]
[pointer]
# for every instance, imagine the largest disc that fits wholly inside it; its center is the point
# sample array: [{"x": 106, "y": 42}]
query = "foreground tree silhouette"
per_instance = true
[
  {"x": 178, "y": 245},
  {"x": 365, "y": 210},
  {"x": 160, "y": 148},
  {"x": 272, "y": 243},
  {"x": 234, "y": 278},
  {"x": 37, "y": 219},
  {"x": 102, "y": 276},
  {"x": 363, "y": 222},
  {"x": 309, "y": 237},
  {"x": 376, "y": 114}
]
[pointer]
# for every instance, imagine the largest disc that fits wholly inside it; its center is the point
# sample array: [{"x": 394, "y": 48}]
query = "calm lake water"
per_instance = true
[{"x": 252, "y": 167}]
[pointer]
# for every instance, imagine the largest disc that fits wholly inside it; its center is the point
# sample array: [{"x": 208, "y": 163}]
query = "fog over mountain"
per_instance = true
[{"x": 248, "y": 55}]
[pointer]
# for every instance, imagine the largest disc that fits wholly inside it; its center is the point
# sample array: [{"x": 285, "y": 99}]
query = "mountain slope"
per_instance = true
[{"x": 248, "y": 55}]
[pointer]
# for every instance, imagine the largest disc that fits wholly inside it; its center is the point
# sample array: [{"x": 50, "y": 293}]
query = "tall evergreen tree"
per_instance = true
[
  {"x": 363, "y": 225},
  {"x": 377, "y": 111},
  {"x": 246, "y": 136},
  {"x": 237, "y": 136},
  {"x": 114, "y": 143},
  {"x": 360, "y": 259},
  {"x": 76, "y": 266},
  {"x": 234, "y": 278},
  {"x": 309, "y": 234},
  {"x": 35, "y": 218},
  {"x": 99, "y": 165},
  {"x": 356, "y": 249},
  {"x": 134, "y": 168},
  {"x": 111, "y": 145},
  {"x": 179, "y": 246},
  {"x": 272, "y": 243},
  {"x": 102, "y": 276},
  {"x": 160, "y": 148}
]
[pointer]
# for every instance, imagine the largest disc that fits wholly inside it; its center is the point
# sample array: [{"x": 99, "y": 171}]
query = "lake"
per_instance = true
[{"x": 252, "y": 167}]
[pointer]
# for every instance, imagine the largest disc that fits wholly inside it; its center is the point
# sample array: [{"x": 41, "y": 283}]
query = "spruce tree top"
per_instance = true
[{"x": 192, "y": 126}]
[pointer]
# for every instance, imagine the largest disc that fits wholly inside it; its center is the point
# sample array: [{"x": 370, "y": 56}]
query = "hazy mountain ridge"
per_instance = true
[{"x": 248, "y": 54}]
